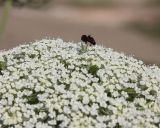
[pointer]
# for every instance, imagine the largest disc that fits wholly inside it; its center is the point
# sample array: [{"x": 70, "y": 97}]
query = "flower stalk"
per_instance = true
[{"x": 5, "y": 15}]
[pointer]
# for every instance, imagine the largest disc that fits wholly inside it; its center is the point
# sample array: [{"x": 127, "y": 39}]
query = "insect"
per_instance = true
[{"x": 89, "y": 39}]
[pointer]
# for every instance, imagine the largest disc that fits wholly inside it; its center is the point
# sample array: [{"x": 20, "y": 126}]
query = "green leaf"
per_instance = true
[
  {"x": 33, "y": 98},
  {"x": 104, "y": 111},
  {"x": 118, "y": 126},
  {"x": 93, "y": 70},
  {"x": 3, "y": 65},
  {"x": 67, "y": 86},
  {"x": 131, "y": 93},
  {"x": 153, "y": 92}
]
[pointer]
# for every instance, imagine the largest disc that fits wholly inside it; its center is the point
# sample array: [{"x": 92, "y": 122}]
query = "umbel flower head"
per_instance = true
[{"x": 51, "y": 83}]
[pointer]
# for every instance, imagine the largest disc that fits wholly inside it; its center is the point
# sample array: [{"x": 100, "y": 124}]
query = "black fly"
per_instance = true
[{"x": 87, "y": 39}]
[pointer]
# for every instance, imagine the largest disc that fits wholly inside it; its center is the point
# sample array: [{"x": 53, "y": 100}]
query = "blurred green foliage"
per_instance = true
[
  {"x": 92, "y": 3},
  {"x": 20, "y": 3},
  {"x": 153, "y": 3},
  {"x": 29, "y": 3},
  {"x": 151, "y": 30}
]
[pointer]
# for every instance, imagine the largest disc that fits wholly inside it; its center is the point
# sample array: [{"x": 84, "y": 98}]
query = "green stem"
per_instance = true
[{"x": 5, "y": 15}]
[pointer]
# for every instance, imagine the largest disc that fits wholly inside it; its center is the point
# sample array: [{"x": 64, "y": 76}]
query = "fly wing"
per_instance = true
[{"x": 91, "y": 40}]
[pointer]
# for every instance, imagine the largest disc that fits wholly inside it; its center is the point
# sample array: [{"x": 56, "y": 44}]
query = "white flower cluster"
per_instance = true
[{"x": 51, "y": 84}]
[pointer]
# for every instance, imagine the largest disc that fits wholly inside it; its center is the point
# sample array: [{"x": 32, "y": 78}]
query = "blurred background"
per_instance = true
[{"x": 129, "y": 26}]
